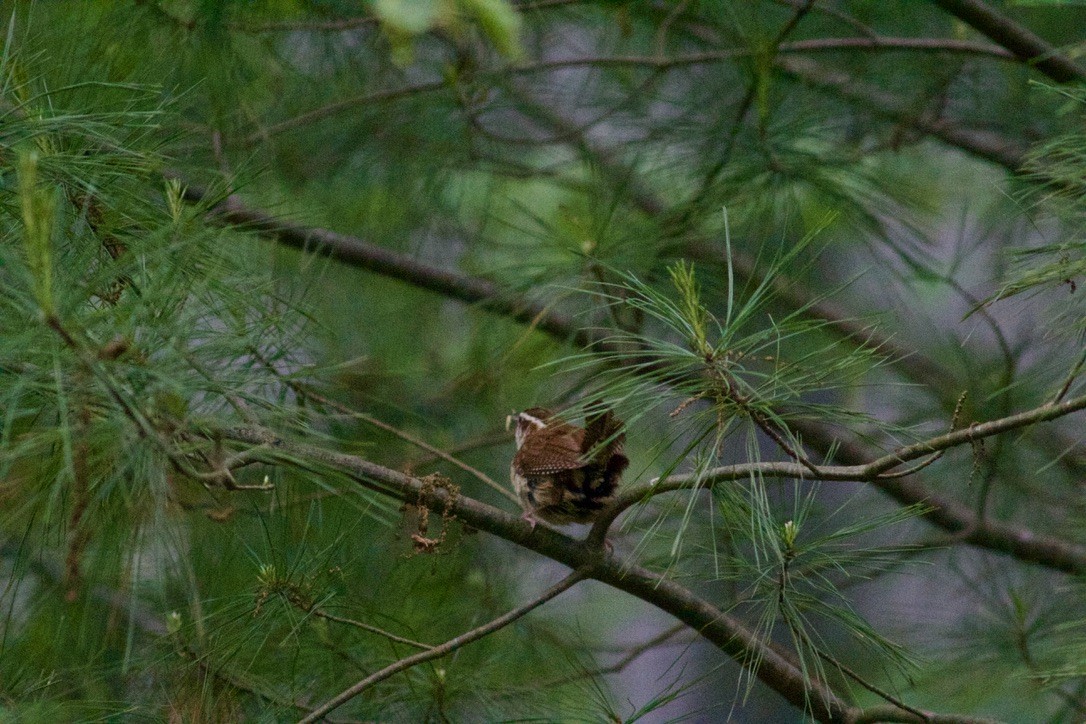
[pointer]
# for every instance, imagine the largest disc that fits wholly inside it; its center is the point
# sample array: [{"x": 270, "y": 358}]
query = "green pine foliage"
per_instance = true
[{"x": 792, "y": 237}]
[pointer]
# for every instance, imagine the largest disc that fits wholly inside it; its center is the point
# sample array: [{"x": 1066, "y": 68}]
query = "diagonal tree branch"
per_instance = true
[
  {"x": 949, "y": 515},
  {"x": 1016, "y": 38},
  {"x": 357, "y": 252},
  {"x": 728, "y": 634},
  {"x": 984, "y": 144}
]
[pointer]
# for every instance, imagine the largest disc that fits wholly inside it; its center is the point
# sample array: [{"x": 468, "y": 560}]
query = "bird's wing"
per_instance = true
[{"x": 551, "y": 451}]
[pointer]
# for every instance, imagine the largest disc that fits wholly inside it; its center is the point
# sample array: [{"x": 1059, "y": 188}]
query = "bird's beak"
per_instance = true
[{"x": 508, "y": 422}]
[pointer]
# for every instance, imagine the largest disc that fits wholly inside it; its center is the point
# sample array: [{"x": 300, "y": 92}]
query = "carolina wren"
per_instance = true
[{"x": 564, "y": 473}]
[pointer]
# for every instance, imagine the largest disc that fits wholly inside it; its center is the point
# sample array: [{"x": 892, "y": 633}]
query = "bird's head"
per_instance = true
[{"x": 523, "y": 423}]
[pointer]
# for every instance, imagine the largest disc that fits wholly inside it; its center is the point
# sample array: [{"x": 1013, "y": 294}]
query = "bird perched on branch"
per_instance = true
[{"x": 564, "y": 473}]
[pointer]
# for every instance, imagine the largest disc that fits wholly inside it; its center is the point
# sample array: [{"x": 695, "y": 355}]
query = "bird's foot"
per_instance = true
[{"x": 531, "y": 519}]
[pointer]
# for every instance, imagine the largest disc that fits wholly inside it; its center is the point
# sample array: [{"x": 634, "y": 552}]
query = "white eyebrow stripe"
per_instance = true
[{"x": 532, "y": 419}]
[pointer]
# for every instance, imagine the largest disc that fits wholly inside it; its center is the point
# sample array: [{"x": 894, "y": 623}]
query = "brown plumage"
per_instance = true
[{"x": 563, "y": 473}]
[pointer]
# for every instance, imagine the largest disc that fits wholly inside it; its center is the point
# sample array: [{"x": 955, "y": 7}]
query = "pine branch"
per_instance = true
[
  {"x": 655, "y": 63},
  {"x": 954, "y": 517},
  {"x": 981, "y": 143},
  {"x": 984, "y": 144},
  {"x": 947, "y": 514},
  {"x": 587, "y": 560},
  {"x": 727, "y": 633},
  {"x": 1016, "y": 38},
  {"x": 357, "y": 252},
  {"x": 959, "y": 520},
  {"x": 814, "y": 45},
  {"x": 444, "y": 649}
]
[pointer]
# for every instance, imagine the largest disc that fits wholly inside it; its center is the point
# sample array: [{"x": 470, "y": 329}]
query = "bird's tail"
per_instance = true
[{"x": 603, "y": 434}]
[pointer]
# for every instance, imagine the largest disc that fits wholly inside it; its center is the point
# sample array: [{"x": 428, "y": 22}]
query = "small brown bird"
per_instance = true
[{"x": 564, "y": 473}]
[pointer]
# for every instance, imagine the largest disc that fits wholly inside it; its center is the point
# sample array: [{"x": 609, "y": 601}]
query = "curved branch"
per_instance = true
[{"x": 952, "y": 516}]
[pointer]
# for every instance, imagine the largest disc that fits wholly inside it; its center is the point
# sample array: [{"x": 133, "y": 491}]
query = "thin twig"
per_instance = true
[
  {"x": 321, "y": 613},
  {"x": 914, "y": 469},
  {"x": 1071, "y": 377},
  {"x": 444, "y": 649},
  {"x": 844, "y": 17},
  {"x": 319, "y": 114},
  {"x": 924, "y": 716},
  {"x": 619, "y": 666}
]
